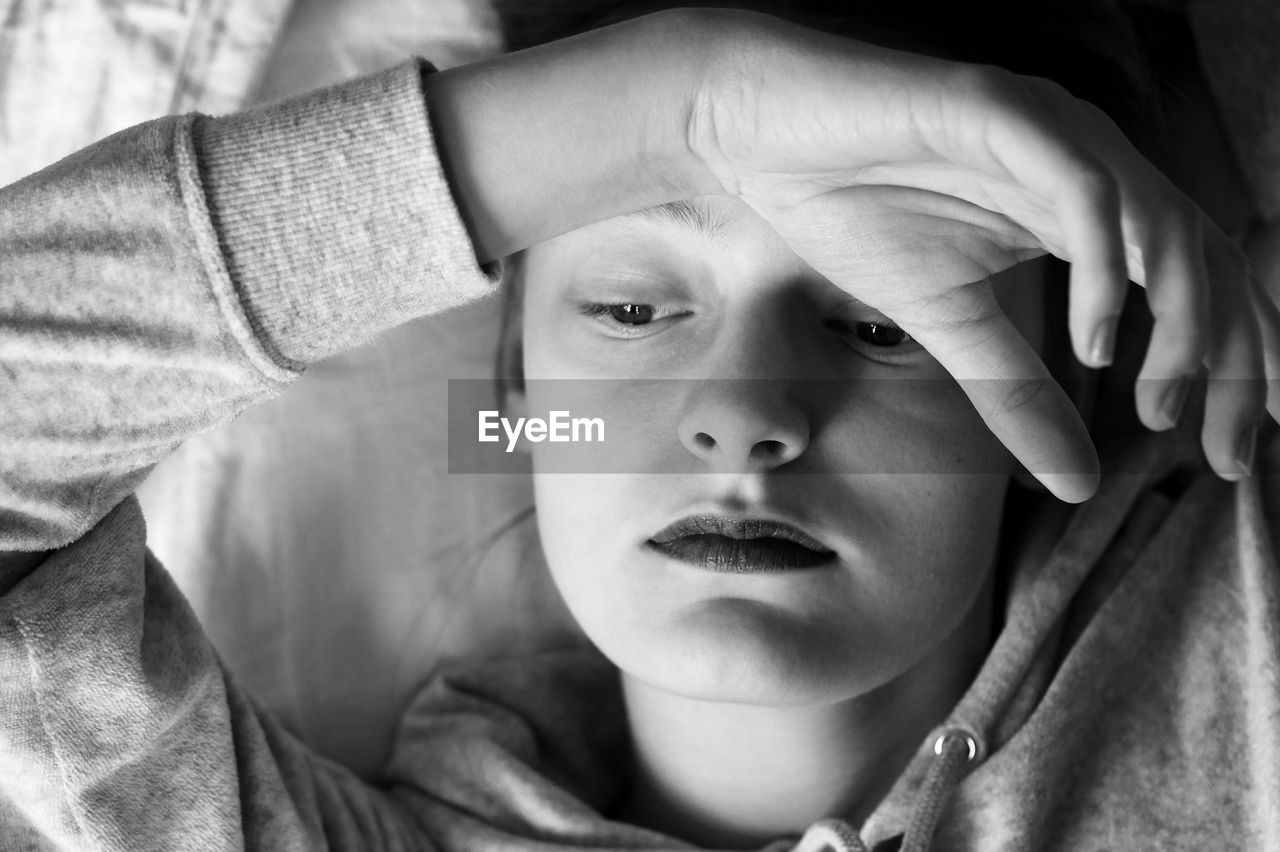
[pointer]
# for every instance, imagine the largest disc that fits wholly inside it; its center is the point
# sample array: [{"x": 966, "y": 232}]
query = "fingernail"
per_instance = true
[
  {"x": 1248, "y": 443},
  {"x": 1171, "y": 404},
  {"x": 1104, "y": 343}
]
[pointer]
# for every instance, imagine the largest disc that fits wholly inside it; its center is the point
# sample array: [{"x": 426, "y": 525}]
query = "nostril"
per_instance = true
[
  {"x": 705, "y": 441},
  {"x": 767, "y": 449}
]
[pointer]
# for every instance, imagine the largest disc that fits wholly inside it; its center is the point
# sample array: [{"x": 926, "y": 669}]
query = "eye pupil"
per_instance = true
[
  {"x": 632, "y": 314},
  {"x": 880, "y": 334}
]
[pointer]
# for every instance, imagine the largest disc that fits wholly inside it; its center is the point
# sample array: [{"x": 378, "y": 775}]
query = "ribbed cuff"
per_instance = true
[{"x": 334, "y": 216}]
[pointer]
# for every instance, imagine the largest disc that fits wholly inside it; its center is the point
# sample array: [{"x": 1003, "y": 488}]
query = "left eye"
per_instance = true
[
  {"x": 625, "y": 318},
  {"x": 881, "y": 334},
  {"x": 627, "y": 314}
]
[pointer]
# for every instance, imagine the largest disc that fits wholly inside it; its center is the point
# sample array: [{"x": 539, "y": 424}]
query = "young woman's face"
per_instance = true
[{"x": 794, "y": 502}]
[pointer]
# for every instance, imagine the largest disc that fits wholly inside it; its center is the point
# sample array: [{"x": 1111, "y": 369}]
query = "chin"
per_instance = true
[{"x": 742, "y": 651}]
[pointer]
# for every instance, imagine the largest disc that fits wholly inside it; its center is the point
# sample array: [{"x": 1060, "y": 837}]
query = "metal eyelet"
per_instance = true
[
  {"x": 831, "y": 835},
  {"x": 956, "y": 733}
]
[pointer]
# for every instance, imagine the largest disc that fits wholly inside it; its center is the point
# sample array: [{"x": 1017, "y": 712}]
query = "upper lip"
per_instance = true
[{"x": 737, "y": 528}]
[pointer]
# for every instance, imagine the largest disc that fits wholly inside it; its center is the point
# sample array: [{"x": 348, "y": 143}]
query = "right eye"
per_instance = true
[
  {"x": 881, "y": 334},
  {"x": 878, "y": 338},
  {"x": 629, "y": 319}
]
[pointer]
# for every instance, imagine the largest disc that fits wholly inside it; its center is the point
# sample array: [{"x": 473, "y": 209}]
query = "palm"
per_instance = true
[{"x": 892, "y": 246}]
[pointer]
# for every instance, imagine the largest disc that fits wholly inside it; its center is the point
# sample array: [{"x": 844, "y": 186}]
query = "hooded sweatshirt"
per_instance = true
[{"x": 156, "y": 284}]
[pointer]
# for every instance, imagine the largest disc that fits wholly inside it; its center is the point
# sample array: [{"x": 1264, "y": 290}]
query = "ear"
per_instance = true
[
  {"x": 515, "y": 403},
  {"x": 509, "y": 364}
]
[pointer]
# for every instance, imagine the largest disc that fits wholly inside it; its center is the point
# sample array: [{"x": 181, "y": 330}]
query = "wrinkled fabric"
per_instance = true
[{"x": 74, "y": 71}]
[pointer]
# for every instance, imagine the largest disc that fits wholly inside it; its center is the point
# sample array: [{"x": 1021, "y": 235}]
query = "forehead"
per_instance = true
[
  {"x": 717, "y": 233},
  {"x": 707, "y": 222},
  {"x": 699, "y": 216}
]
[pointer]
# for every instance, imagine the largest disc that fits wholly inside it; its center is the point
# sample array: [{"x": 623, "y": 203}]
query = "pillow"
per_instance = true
[{"x": 332, "y": 558}]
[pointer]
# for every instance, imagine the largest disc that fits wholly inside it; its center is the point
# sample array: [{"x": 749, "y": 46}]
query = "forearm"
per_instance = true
[{"x": 156, "y": 284}]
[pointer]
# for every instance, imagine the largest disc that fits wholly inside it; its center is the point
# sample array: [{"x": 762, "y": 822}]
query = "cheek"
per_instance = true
[
  {"x": 945, "y": 531},
  {"x": 638, "y": 426},
  {"x": 582, "y": 523},
  {"x": 921, "y": 425},
  {"x": 927, "y": 546}
]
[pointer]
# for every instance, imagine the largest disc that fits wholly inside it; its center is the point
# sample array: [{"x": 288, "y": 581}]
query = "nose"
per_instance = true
[
  {"x": 744, "y": 424},
  {"x": 751, "y": 415}
]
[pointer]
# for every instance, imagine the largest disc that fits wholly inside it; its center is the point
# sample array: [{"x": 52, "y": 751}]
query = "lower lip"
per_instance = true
[{"x": 742, "y": 556}]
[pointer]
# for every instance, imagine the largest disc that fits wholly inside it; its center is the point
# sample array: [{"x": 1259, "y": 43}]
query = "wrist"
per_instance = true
[
  {"x": 549, "y": 139},
  {"x": 693, "y": 45}
]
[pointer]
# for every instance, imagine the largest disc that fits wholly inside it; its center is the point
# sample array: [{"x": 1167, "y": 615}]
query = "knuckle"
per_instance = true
[
  {"x": 1240, "y": 345},
  {"x": 991, "y": 83},
  {"x": 1172, "y": 227},
  {"x": 1183, "y": 217},
  {"x": 1019, "y": 393},
  {"x": 1183, "y": 313},
  {"x": 1050, "y": 89},
  {"x": 1238, "y": 398},
  {"x": 1098, "y": 120},
  {"x": 1096, "y": 182},
  {"x": 1092, "y": 110},
  {"x": 1185, "y": 338}
]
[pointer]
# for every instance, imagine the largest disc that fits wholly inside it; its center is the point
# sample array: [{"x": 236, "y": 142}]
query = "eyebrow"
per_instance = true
[{"x": 686, "y": 214}]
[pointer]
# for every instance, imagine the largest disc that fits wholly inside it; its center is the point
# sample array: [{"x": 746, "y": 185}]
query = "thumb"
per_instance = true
[{"x": 1011, "y": 389}]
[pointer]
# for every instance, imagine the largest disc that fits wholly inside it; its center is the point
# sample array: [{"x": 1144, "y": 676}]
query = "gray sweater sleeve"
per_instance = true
[
  {"x": 151, "y": 287},
  {"x": 120, "y": 731},
  {"x": 155, "y": 284}
]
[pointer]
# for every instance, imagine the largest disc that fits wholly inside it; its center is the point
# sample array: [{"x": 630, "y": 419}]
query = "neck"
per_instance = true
[{"x": 737, "y": 776}]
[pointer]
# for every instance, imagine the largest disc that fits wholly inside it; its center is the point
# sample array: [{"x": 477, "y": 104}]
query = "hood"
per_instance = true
[{"x": 528, "y": 753}]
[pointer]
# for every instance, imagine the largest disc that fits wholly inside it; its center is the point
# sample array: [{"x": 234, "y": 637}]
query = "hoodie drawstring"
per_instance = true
[{"x": 954, "y": 750}]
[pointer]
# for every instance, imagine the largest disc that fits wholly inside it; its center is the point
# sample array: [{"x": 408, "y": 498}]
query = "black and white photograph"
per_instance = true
[{"x": 639, "y": 425}]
